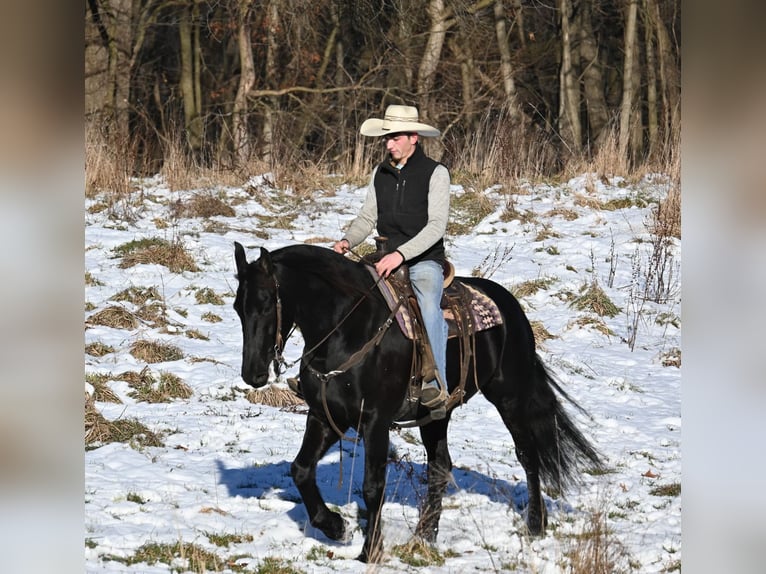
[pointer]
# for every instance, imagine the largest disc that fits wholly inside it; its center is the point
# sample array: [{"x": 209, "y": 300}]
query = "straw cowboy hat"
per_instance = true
[{"x": 397, "y": 119}]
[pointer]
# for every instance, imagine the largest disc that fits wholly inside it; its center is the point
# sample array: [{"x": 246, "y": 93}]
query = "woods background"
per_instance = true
[{"x": 517, "y": 87}]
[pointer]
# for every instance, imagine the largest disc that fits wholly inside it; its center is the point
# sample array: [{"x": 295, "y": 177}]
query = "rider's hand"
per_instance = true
[
  {"x": 389, "y": 263},
  {"x": 341, "y": 246}
]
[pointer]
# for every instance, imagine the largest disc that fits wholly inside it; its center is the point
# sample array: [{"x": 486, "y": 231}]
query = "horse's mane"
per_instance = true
[{"x": 343, "y": 274}]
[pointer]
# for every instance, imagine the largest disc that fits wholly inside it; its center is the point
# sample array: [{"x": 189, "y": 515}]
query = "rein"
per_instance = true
[{"x": 354, "y": 359}]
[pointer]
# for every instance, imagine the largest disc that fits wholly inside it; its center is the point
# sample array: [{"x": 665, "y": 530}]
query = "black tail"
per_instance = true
[{"x": 563, "y": 450}]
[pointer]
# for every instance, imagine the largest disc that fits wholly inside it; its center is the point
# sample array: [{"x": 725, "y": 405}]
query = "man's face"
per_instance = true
[{"x": 400, "y": 146}]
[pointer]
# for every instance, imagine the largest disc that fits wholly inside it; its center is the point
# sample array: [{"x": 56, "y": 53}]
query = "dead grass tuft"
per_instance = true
[
  {"x": 540, "y": 332},
  {"x": 98, "y": 349},
  {"x": 100, "y": 431},
  {"x": 154, "y": 314},
  {"x": 596, "y": 550},
  {"x": 593, "y": 322},
  {"x": 671, "y": 358},
  {"x": 466, "y": 211},
  {"x": 202, "y": 205},
  {"x": 666, "y": 218},
  {"x": 211, "y": 317},
  {"x": 527, "y": 288},
  {"x": 138, "y": 295},
  {"x": 417, "y": 553},
  {"x": 155, "y": 351},
  {"x": 274, "y": 396},
  {"x": 108, "y": 168},
  {"x": 113, "y": 316},
  {"x": 594, "y": 299},
  {"x": 206, "y": 295},
  {"x": 147, "y": 389},
  {"x": 178, "y": 556},
  {"x": 171, "y": 254},
  {"x": 568, "y": 214},
  {"x": 101, "y": 390}
]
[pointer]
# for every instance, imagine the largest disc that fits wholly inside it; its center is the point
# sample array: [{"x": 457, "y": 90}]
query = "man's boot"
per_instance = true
[{"x": 434, "y": 398}]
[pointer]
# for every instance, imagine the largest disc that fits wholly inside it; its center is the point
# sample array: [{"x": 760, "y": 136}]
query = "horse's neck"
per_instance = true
[{"x": 319, "y": 308}]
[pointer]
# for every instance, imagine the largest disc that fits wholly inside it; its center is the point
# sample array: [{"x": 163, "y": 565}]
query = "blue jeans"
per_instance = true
[{"x": 427, "y": 278}]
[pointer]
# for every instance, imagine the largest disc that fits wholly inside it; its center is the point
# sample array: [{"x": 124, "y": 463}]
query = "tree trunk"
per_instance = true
[
  {"x": 506, "y": 68},
  {"x": 271, "y": 75},
  {"x": 240, "y": 131},
  {"x": 190, "y": 77},
  {"x": 626, "y": 107},
  {"x": 570, "y": 128},
  {"x": 651, "y": 79},
  {"x": 432, "y": 53},
  {"x": 670, "y": 84},
  {"x": 593, "y": 81}
]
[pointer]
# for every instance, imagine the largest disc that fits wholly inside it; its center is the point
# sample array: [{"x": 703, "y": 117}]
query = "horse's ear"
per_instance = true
[
  {"x": 240, "y": 258},
  {"x": 265, "y": 261}
]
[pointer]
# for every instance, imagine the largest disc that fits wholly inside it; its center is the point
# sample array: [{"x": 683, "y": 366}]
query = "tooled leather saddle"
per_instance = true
[{"x": 467, "y": 310}]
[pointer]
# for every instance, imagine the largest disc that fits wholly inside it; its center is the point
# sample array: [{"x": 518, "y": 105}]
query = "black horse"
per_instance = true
[{"x": 344, "y": 323}]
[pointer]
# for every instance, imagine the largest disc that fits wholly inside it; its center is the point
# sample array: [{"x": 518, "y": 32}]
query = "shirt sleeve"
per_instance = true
[
  {"x": 366, "y": 219},
  {"x": 438, "y": 215}
]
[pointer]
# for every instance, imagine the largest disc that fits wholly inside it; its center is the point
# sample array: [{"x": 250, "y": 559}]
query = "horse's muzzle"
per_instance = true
[{"x": 255, "y": 380}]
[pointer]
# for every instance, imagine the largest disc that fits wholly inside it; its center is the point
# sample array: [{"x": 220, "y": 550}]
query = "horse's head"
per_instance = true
[{"x": 257, "y": 304}]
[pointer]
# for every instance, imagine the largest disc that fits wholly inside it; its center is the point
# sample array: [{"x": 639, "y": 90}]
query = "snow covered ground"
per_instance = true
[{"x": 220, "y": 483}]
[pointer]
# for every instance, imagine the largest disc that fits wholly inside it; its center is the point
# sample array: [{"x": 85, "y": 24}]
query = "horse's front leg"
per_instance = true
[
  {"x": 434, "y": 437},
  {"x": 317, "y": 439},
  {"x": 376, "y": 442}
]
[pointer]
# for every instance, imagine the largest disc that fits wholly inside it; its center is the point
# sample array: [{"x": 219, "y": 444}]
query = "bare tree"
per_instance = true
[
  {"x": 628, "y": 79},
  {"x": 570, "y": 127},
  {"x": 240, "y": 130}
]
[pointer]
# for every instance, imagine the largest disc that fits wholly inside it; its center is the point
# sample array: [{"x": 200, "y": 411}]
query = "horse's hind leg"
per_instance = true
[
  {"x": 317, "y": 439},
  {"x": 434, "y": 438},
  {"x": 517, "y": 422}
]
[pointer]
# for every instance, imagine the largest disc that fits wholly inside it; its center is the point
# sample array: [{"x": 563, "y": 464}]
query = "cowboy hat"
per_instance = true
[{"x": 397, "y": 119}]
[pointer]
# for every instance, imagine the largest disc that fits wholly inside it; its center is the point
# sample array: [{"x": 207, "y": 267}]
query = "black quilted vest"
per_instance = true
[{"x": 402, "y": 197}]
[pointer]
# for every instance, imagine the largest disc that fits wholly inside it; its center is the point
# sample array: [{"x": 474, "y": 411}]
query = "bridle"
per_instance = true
[{"x": 279, "y": 361}]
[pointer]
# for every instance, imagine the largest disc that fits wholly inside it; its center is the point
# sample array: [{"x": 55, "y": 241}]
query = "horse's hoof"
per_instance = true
[
  {"x": 332, "y": 526},
  {"x": 535, "y": 528}
]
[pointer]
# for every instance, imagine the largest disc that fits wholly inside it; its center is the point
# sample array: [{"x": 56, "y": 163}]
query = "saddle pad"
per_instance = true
[{"x": 483, "y": 310}]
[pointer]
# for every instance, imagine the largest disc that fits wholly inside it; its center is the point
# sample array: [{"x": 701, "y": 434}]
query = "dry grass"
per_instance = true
[
  {"x": 666, "y": 218},
  {"x": 101, "y": 390},
  {"x": 594, "y": 299},
  {"x": 211, "y": 317},
  {"x": 114, "y": 316},
  {"x": 154, "y": 314},
  {"x": 466, "y": 211},
  {"x": 147, "y": 389},
  {"x": 202, "y": 205},
  {"x": 171, "y": 254},
  {"x": 100, "y": 431},
  {"x": 596, "y": 323},
  {"x": 527, "y": 288},
  {"x": 540, "y": 332},
  {"x": 108, "y": 168},
  {"x": 568, "y": 214},
  {"x": 98, "y": 349},
  {"x": 418, "y": 554},
  {"x": 193, "y": 557},
  {"x": 206, "y": 295},
  {"x": 596, "y": 550},
  {"x": 274, "y": 396},
  {"x": 138, "y": 295},
  {"x": 155, "y": 351}
]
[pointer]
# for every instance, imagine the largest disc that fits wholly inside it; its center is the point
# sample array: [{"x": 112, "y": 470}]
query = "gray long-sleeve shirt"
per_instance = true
[{"x": 435, "y": 228}]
